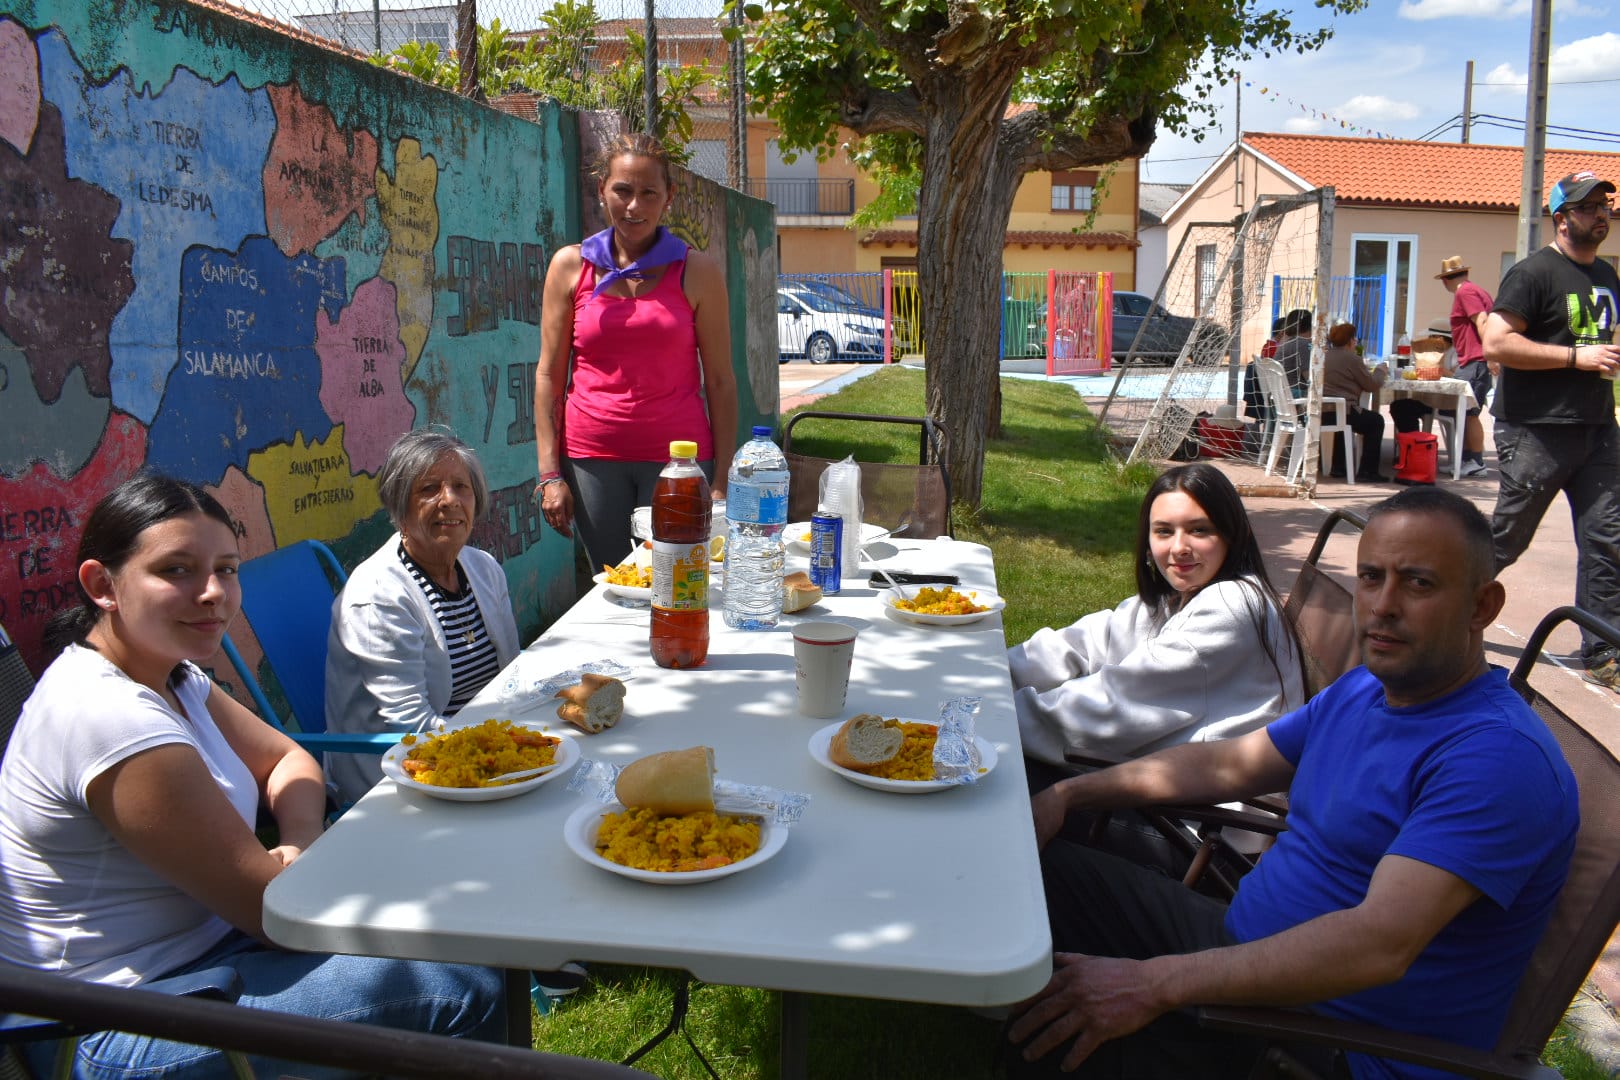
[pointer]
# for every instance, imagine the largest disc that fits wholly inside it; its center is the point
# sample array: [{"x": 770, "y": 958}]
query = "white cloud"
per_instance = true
[
  {"x": 1375, "y": 107},
  {"x": 1596, "y": 57},
  {"x": 1302, "y": 125},
  {"x": 1424, "y": 10}
]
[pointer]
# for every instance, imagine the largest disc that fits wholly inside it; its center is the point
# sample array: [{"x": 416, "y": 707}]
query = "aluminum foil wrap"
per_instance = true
[
  {"x": 956, "y": 759},
  {"x": 519, "y": 690},
  {"x": 596, "y": 779}
]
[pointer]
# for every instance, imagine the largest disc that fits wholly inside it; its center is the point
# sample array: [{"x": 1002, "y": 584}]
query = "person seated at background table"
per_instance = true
[
  {"x": 1294, "y": 351},
  {"x": 635, "y": 351},
  {"x": 1254, "y": 396},
  {"x": 1408, "y": 413},
  {"x": 1203, "y": 650},
  {"x": 426, "y": 620},
  {"x": 1345, "y": 375},
  {"x": 1431, "y": 822},
  {"x": 129, "y": 794}
]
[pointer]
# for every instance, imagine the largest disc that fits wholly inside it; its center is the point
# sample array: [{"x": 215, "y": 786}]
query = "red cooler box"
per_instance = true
[{"x": 1417, "y": 457}]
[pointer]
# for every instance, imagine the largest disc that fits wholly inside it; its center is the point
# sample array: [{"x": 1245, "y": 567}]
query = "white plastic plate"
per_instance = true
[
  {"x": 579, "y": 833},
  {"x": 988, "y": 600},
  {"x": 822, "y": 739},
  {"x": 798, "y": 532},
  {"x": 567, "y": 754}
]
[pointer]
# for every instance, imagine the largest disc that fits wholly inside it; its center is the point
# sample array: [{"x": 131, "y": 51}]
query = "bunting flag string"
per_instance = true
[{"x": 1276, "y": 96}]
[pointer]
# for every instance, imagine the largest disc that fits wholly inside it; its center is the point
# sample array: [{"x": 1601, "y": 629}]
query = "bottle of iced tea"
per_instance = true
[{"x": 680, "y": 545}]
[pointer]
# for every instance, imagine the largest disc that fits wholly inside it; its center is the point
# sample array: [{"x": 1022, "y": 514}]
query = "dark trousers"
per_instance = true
[
  {"x": 605, "y": 494},
  {"x": 1537, "y": 461},
  {"x": 1100, "y": 905},
  {"x": 1368, "y": 423}
]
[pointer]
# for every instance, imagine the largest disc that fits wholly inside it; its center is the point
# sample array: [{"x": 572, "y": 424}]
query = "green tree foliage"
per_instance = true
[
  {"x": 926, "y": 84},
  {"x": 556, "y": 63}
]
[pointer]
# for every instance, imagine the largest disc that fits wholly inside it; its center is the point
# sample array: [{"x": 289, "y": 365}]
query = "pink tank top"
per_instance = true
[{"x": 637, "y": 382}]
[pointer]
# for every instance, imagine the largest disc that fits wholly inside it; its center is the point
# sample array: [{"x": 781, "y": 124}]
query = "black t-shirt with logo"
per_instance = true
[{"x": 1563, "y": 303}]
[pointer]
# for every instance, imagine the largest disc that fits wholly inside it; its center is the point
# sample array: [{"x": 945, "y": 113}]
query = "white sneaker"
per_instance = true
[{"x": 1473, "y": 468}]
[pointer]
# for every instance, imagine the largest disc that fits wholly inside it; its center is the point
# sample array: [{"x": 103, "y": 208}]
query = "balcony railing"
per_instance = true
[{"x": 824, "y": 198}]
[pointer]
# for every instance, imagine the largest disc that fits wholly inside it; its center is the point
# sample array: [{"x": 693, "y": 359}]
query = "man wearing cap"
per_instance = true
[
  {"x": 1470, "y": 306},
  {"x": 1552, "y": 332}
]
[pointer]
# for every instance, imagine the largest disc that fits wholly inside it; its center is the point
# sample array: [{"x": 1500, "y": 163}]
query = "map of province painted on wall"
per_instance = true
[{"x": 179, "y": 292}]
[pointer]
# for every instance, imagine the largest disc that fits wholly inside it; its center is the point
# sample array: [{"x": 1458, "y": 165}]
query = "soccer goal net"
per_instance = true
[{"x": 1193, "y": 382}]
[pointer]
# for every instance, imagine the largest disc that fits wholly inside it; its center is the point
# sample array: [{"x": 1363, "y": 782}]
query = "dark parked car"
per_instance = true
[{"x": 1163, "y": 334}]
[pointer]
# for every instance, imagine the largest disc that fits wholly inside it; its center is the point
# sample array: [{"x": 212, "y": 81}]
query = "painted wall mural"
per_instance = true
[
  {"x": 208, "y": 269},
  {"x": 253, "y": 263}
]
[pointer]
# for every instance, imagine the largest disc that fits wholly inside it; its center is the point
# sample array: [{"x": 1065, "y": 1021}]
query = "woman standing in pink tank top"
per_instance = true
[{"x": 635, "y": 351}]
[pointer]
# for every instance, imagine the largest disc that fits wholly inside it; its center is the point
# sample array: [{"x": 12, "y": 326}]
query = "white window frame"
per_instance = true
[{"x": 1392, "y": 240}]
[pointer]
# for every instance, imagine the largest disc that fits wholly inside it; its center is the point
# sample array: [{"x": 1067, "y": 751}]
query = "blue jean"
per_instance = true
[
  {"x": 411, "y": 995},
  {"x": 1537, "y": 461}
]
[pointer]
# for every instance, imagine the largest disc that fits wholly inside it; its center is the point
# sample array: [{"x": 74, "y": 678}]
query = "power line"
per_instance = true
[
  {"x": 1552, "y": 82},
  {"x": 1518, "y": 125},
  {"x": 1562, "y": 128}
]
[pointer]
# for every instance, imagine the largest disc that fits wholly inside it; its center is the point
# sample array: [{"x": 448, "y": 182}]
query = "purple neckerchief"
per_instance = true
[{"x": 598, "y": 251}]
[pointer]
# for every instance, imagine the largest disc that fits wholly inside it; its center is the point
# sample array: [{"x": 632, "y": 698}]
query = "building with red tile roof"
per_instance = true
[{"x": 1400, "y": 207}]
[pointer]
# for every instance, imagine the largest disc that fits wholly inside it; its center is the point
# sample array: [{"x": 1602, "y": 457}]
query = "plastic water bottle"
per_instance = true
[{"x": 756, "y": 515}]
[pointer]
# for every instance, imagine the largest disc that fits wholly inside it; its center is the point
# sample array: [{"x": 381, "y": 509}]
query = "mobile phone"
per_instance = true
[{"x": 901, "y": 577}]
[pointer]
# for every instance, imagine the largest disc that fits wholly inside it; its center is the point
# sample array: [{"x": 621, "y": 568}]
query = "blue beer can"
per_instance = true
[{"x": 826, "y": 547}]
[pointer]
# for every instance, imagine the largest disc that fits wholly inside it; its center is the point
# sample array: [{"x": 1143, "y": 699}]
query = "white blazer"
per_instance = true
[{"x": 387, "y": 661}]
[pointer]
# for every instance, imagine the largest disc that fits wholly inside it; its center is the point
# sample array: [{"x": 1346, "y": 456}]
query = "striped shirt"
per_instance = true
[{"x": 473, "y": 660}]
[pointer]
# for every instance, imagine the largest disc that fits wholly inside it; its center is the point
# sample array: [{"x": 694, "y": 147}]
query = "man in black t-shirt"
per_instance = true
[{"x": 1552, "y": 330}]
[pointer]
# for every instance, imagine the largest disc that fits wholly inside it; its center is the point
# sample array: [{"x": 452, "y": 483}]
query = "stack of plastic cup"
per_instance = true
[{"x": 841, "y": 490}]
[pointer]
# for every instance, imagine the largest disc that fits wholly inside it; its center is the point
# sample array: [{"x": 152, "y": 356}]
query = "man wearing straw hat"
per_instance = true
[
  {"x": 1552, "y": 331},
  {"x": 1470, "y": 306}
]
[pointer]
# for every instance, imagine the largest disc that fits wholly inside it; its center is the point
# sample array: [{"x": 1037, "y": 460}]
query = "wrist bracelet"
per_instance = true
[
  {"x": 1572, "y": 358},
  {"x": 547, "y": 477},
  {"x": 547, "y": 481}
]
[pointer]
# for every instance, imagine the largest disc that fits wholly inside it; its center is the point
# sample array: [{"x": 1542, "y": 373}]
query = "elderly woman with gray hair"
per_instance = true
[{"x": 424, "y": 622}]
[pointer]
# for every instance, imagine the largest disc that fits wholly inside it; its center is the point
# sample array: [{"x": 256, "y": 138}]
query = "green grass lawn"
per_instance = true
[{"x": 1060, "y": 517}]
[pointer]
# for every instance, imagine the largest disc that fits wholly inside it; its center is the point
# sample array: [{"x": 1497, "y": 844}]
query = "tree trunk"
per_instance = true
[
  {"x": 468, "y": 84},
  {"x": 969, "y": 179}
]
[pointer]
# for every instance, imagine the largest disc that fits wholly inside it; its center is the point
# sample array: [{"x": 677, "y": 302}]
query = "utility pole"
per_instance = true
[
  {"x": 1535, "y": 129},
  {"x": 649, "y": 71},
  {"x": 737, "y": 165},
  {"x": 1237, "y": 142},
  {"x": 1468, "y": 101}
]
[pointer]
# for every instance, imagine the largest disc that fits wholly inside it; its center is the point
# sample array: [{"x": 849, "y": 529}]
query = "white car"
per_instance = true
[{"x": 821, "y": 329}]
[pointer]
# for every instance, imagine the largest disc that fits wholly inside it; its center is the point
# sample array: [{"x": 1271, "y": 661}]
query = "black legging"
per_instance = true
[{"x": 1370, "y": 424}]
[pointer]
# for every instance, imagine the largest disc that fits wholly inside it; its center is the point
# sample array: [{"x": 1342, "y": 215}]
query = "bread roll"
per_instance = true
[
  {"x": 798, "y": 591},
  {"x": 865, "y": 741},
  {"x": 674, "y": 782},
  {"x": 594, "y": 703}
]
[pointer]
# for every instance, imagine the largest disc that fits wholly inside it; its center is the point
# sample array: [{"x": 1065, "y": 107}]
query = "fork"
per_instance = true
[{"x": 520, "y": 774}]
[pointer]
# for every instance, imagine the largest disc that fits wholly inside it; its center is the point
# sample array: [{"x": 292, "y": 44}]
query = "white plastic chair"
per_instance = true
[
  {"x": 1285, "y": 417},
  {"x": 1448, "y": 431},
  {"x": 1340, "y": 425}
]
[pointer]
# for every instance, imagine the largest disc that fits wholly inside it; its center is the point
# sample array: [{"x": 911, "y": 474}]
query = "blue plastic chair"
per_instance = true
[{"x": 287, "y": 598}]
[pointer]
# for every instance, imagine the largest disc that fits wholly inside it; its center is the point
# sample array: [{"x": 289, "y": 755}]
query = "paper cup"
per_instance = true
[{"x": 822, "y": 652}]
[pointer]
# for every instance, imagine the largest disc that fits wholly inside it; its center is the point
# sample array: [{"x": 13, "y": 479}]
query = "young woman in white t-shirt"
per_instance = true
[{"x": 130, "y": 791}]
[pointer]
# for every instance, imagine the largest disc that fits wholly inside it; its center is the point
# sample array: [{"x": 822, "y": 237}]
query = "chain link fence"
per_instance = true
[{"x": 589, "y": 56}]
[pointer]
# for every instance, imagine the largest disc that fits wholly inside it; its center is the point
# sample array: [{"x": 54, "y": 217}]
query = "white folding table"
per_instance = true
[{"x": 927, "y": 897}]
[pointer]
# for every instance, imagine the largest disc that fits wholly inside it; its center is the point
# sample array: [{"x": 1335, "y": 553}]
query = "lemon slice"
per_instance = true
[{"x": 717, "y": 548}]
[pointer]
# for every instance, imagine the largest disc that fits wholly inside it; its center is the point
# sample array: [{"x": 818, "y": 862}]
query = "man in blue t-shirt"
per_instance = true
[{"x": 1431, "y": 821}]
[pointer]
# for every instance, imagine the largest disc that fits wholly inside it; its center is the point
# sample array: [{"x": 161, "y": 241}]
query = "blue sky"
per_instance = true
[{"x": 1398, "y": 67}]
